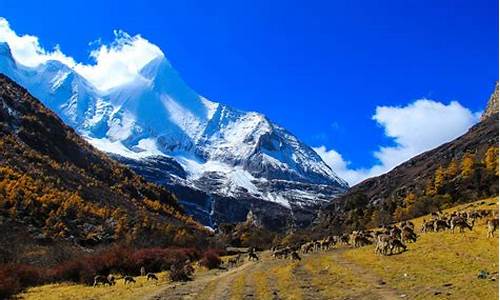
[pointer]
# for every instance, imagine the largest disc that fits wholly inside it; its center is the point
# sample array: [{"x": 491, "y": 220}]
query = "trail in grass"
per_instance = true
[
  {"x": 271, "y": 279},
  {"x": 382, "y": 289}
]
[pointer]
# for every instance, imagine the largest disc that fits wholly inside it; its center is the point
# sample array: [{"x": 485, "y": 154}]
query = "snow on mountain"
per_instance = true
[{"x": 222, "y": 151}]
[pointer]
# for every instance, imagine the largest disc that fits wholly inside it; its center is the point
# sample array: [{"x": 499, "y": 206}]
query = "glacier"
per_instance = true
[{"x": 220, "y": 161}]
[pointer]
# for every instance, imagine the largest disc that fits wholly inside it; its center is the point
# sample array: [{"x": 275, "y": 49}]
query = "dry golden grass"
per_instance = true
[
  {"x": 439, "y": 266},
  {"x": 334, "y": 280},
  {"x": 286, "y": 283},
  {"x": 437, "y": 260},
  {"x": 64, "y": 291}
]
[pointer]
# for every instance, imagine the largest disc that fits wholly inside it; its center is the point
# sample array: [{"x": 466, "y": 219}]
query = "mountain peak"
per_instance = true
[
  {"x": 492, "y": 107},
  {"x": 6, "y": 56},
  {"x": 155, "y": 67}
]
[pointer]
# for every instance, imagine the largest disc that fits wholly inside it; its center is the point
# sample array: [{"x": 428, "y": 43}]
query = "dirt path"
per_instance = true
[
  {"x": 384, "y": 291},
  {"x": 303, "y": 277},
  {"x": 256, "y": 280},
  {"x": 212, "y": 285}
]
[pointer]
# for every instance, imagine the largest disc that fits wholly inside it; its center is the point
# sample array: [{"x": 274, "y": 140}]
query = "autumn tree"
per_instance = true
[
  {"x": 491, "y": 160},
  {"x": 467, "y": 165},
  {"x": 439, "y": 178},
  {"x": 430, "y": 188},
  {"x": 452, "y": 169}
]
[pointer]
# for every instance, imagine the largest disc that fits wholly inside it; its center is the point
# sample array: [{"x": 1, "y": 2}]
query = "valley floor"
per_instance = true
[{"x": 440, "y": 265}]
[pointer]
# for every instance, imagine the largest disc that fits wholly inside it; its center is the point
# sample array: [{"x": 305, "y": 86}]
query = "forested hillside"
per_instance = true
[{"x": 58, "y": 191}]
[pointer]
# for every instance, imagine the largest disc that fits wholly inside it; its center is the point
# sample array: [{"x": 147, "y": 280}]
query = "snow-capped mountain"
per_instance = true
[{"x": 221, "y": 161}]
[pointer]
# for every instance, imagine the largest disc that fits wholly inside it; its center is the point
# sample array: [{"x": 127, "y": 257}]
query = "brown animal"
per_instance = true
[
  {"x": 427, "y": 226},
  {"x": 395, "y": 244},
  {"x": 461, "y": 224},
  {"x": 492, "y": 227},
  {"x": 382, "y": 246},
  {"x": 129, "y": 279},
  {"x": 234, "y": 261},
  {"x": 407, "y": 234}
]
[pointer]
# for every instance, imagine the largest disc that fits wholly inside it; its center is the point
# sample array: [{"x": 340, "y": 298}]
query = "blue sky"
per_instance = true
[{"x": 319, "y": 68}]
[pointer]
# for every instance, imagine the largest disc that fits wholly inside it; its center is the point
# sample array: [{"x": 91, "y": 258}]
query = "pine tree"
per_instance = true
[{"x": 467, "y": 165}]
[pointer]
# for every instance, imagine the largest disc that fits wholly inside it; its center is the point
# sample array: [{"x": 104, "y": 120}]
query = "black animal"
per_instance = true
[
  {"x": 252, "y": 256},
  {"x": 129, "y": 279},
  {"x": 100, "y": 279},
  {"x": 295, "y": 256},
  {"x": 151, "y": 276}
]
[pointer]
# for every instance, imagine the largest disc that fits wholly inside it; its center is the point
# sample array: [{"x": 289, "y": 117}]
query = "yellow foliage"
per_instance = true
[
  {"x": 467, "y": 165},
  {"x": 452, "y": 169},
  {"x": 491, "y": 160},
  {"x": 439, "y": 178}
]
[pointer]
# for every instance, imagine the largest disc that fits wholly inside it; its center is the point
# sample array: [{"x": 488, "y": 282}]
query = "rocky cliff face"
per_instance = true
[{"x": 492, "y": 107}]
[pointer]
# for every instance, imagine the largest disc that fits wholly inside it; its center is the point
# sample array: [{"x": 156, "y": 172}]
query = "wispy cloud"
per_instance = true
[
  {"x": 114, "y": 64},
  {"x": 415, "y": 128}
]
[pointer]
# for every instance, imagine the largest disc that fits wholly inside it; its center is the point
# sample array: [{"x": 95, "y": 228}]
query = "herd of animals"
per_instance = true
[
  {"x": 388, "y": 240},
  {"x": 392, "y": 239},
  {"x": 111, "y": 280}
]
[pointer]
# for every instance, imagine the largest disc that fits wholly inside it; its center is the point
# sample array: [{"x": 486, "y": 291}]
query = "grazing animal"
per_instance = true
[
  {"x": 408, "y": 234},
  {"x": 234, "y": 261},
  {"x": 129, "y": 279},
  {"x": 395, "y": 232},
  {"x": 344, "y": 239},
  {"x": 492, "y": 227},
  {"x": 396, "y": 244},
  {"x": 151, "y": 276},
  {"x": 143, "y": 271},
  {"x": 99, "y": 279},
  {"x": 440, "y": 225},
  {"x": 360, "y": 241},
  {"x": 253, "y": 256},
  {"x": 111, "y": 279},
  {"x": 427, "y": 226},
  {"x": 461, "y": 224},
  {"x": 382, "y": 246},
  {"x": 295, "y": 256}
]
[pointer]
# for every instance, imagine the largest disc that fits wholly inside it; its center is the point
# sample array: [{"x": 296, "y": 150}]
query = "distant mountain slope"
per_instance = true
[
  {"x": 55, "y": 187},
  {"x": 219, "y": 152},
  {"x": 459, "y": 171}
]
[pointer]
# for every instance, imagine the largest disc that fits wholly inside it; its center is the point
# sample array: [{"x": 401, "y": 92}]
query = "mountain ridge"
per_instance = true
[
  {"x": 458, "y": 171},
  {"x": 223, "y": 151},
  {"x": 56, "y": 189}
]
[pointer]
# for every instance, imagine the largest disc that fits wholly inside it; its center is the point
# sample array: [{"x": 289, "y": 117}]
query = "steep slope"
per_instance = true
[
  {"x": 492, "y": 107},
  {"x": 219, "y": 152},
  {"x": 462, "y": 170},
  {"x": 55, "y": 188}
]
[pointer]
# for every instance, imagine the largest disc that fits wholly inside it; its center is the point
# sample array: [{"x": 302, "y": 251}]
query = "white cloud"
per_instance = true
[
  {"x": 415, "y": 128},
  {"x": 119, "y": 62},
  {"x": 27, "y": 49},
  {"x": 115, "y": 64}
]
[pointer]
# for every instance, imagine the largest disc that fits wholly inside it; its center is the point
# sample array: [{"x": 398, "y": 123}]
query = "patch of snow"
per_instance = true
[{"x": 117, "y": 147}]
